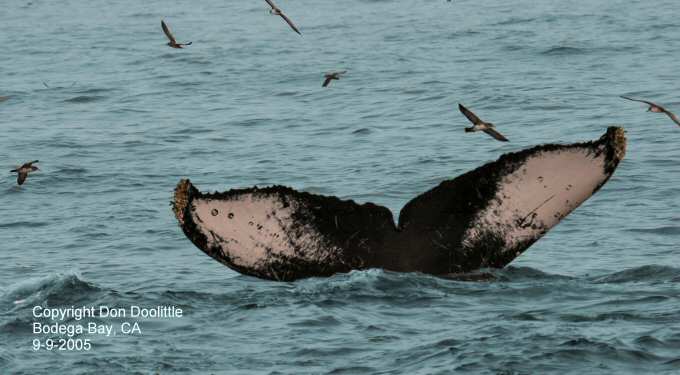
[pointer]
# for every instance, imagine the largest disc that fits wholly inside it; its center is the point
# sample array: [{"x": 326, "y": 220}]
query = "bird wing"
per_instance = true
[
  {"x": 285, "y": 18},
  {"x": 271, "y": 4},
  {"x": 672, "y": 116},
  {"x": 494, "y": 133},
  {"x": 21, "y": 177},
  {"x": 470, "y": 116},
  {"x": 29, "y": 164},
  {"x": 327, "y": 81},
  {"x": 167, "y": 32},
  {"x": 643, "y": 101}
]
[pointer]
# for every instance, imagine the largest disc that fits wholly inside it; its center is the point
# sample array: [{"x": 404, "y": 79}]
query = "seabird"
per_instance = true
[
  {"x": 331, "y": 76},
  {"x": 172, "y": 43},
  {"x": 277, "y": 12},
  {"x": 22, "y": 172},
  {"x": 478, "y": 124},
  {"x": 653, "y": 107}
]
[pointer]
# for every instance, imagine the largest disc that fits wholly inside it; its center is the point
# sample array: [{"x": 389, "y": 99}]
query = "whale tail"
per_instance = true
[{"x": 483, "y": 218}]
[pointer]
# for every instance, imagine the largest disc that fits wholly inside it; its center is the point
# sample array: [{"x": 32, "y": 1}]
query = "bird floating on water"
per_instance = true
[
  {"x": 332, "y": 76},
  {"x": 277, "y": 12},
  {"x": 173, "y": 42},
  {"x": 653, "y": 107},
  {"x": 24, "y": 170},
  {"x": 479, "y": 125}
]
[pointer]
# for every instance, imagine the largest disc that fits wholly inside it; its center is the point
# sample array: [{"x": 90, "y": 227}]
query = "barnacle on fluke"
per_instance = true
[{"x": 483, "y": 218}]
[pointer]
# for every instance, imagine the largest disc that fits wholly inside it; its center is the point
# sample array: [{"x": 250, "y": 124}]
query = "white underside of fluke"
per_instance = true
[
  {"x": 254, "y": 231},
  {"x": 534, "y": 198}
]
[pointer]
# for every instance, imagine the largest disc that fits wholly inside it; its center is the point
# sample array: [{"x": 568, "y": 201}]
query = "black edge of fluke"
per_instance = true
[{"x": 484, "y": 218}]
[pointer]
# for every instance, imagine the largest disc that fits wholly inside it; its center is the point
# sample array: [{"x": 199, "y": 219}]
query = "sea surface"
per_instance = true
[{"x": 116, "y": 118}]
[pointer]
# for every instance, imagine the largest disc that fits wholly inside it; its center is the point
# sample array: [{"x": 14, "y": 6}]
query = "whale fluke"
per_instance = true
[{"x": 484, "y": 218}]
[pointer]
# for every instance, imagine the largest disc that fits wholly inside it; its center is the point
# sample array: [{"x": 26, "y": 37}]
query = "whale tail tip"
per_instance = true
[
  {"x": 181, "y": 198},
  {"x": 617, "y": 137}
]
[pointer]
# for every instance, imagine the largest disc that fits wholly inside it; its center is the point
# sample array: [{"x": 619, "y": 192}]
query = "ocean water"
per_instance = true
[{"x": 116, "y": 118}]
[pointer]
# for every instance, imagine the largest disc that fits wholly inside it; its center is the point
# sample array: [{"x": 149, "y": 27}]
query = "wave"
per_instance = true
[
  {"x": 382, "y": 281},
  {"x": 527, "y": 273},
  {"x": 410, "y": 289},
  {"x": 649, "y": 273},
  {"x": 85, "y": 99},
  {"x": 563, "y": 51},
  {"x": 94, "y": 90},
  {"x": 666, "y": 230},
  {"x": 585, "y": 347},
  {"x": 59, "y": 289},
  {"x": 516, "y": 21},
  {"x": 71, "y": 171},
  {"x": 18, "y": 224},
  {"x": 609, "y": 316}
]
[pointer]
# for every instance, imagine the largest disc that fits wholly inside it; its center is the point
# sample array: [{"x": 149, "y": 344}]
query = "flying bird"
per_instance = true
[
  {"x": 277, "y": 12},
  {"x": 22, "y": 172},
  {"x": 331, "y": 76},
  {"x": 478, "y": 125},
  {"x": 172, "y": 43},
  {"x": 657, "y": 109}
]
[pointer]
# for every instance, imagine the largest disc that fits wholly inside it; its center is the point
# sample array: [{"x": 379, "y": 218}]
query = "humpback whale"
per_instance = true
[{"x": 484, "y": 218}]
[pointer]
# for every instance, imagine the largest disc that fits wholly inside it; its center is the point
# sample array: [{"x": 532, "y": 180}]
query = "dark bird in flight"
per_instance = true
[
  {"x": 331, "y": 76},
  {"x": 478, "y": 125},
  {"x": 277, "y": 12},
  {"x": 22, "y": 172},
  {"x": 172, "y": 43},
  {"x": 657, "y": 109}
]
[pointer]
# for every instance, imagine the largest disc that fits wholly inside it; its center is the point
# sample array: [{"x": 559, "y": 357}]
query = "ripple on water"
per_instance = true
[
  {"x": 82, "y": 99},
  {"x": 650, "y": 273},
  {"x": 362, "y": 131},
  {"x": 29, "y": 224},
  {"x": 665, "y": 230},
  {"x": 563, "y": 51}
]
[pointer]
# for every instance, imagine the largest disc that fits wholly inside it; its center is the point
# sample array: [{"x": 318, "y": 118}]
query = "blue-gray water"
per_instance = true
[{"x": 125, "y": 117}]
